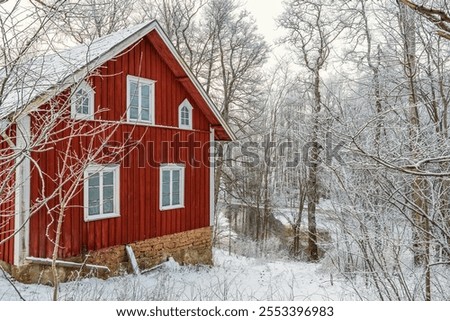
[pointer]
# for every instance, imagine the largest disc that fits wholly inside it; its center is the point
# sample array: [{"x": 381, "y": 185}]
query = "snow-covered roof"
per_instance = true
[{"x": 49, "y": 74}]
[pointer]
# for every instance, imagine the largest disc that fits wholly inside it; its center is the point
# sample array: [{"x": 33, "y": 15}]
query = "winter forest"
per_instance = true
[{"x": 342, "y": 160}]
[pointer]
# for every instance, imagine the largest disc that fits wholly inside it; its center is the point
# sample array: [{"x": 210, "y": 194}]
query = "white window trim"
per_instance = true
[
  {"x": 93, "y": 169},
  {"x": 85, "y": 86},
  {"x": 182, "y": 187},
  {"x": 189, "y": 106},
  {"x": 141, "y": 80}
]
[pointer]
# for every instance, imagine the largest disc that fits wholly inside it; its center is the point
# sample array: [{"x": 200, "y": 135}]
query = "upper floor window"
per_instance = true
[
  {"x": 82, "y": 101},
  {"x": 140, "y": 99},
  {"x": 185, "y": 115},
  {"x": 101, "y": 192}
]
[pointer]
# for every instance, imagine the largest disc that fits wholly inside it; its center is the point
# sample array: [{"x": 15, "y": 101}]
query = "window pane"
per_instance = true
[
  {"x": 175, "y": 187},
  {"x": 94, "y": 210},
  {"x": 108, "y": 192},
  {"x": 166, "y": 200},
  {"x": 145, "y": 90},
  {"x": 145, "y": 114},
  {"x": 165, "y": 188},
  {"x": 184, "y": 116},
  {"x": 85, "y": 106},
  {"x": 145, "y": 96},
  {"x": 176, "y": 199},
  {"x": 108, "y": 206},
  {"x": 81, "y": 100},
  {"x": 94, "y": 200},
  {"x": 134, "y": 98},
  {"x": 165, "y": 194},
  {"x": 166, "y": 176},
  {"x": 94, "y": 195},
  {"x": 176, "y": 175},
  {"x": 108, "y": 178},
  {"x": 101, "y": 196},
  {"x": 134, "y": 113},
  {"x": 134, "y": 102},
  {"x": 94, "y": 180}
]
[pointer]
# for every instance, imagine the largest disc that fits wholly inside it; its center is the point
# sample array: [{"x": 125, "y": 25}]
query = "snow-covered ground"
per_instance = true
[
  {"x": 324, "y": 211},
  {"x": 250, "y": 276},
  {"x": 231, "y": 278}
]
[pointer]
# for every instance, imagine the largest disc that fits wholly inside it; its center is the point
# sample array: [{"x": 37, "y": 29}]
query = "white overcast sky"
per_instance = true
[{"x": 265, "y": 12}]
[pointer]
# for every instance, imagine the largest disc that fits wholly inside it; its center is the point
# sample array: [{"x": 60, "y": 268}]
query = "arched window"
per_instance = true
[
  {"x": 82, "y": 101},
  {"x": 185, "y": 115}
]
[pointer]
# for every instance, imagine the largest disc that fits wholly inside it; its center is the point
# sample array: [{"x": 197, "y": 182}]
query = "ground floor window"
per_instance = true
[
  {"x": 171, "y": 186},
  {"x": 101, "y": 192}
]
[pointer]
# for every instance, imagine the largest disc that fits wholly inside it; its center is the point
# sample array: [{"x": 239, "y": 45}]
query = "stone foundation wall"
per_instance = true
[{"x": 190, "y": 247}]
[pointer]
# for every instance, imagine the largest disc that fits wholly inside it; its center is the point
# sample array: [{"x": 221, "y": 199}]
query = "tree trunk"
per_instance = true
[
  {"x": 312, "y": 185},
  {"x": 418, "y": 186}
]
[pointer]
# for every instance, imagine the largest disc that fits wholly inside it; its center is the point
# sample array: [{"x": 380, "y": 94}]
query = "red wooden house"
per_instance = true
[{"x": 131, "y": 94}]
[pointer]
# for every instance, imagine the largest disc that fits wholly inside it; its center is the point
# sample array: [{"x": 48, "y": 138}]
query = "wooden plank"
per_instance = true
[
  {"x": 132, "y": 259},
  {"x": 44, "y": 261}
]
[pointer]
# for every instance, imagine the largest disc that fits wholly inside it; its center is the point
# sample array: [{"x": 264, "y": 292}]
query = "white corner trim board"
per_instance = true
[
  {"x": 22, "y": 192},
  {"x": 211, "y": 178}
]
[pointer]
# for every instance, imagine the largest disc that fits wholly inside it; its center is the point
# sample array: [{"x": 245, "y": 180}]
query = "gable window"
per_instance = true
[
  {"x": 185, "y": 115},
  {"x": 171, "y": 186},
  {"x": 82, "y": 101},
  {"x": 101, "y": 192},
  {"x": 140, "y": 99}
]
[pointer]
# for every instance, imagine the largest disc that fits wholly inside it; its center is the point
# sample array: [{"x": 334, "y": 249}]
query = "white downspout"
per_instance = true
[{"x": 22, "y": 192}]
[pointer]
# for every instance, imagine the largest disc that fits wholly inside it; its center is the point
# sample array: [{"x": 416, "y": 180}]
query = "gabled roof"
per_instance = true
[{"x": 36, "y": 81}]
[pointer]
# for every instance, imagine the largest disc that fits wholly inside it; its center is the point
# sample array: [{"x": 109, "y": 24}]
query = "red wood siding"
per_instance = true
[
  {"x": 7, "y": 201},
  {"x": 143, "y": 61},
  {"x": 139, "y": 172}
]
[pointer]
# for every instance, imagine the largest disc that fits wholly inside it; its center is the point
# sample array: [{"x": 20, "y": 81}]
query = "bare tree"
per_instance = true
[
  {"x": 37, "y": 94},
  {"x": 439, "y": 16},
  {"x": 311, "y": 32},
  {"x": 85, "y": 20}
]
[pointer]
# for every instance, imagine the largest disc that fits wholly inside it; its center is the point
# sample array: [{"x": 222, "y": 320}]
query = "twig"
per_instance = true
[{"x": 12, "y": 284}]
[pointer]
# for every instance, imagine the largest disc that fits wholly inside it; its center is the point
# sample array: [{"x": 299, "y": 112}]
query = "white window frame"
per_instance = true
[
  {"x": 171, "y": 168},
  {"x": 189, "y": 107},
  {"x": 141, "y": 81},
  {"x": 100, "y": 169},
  {"x": 73, "y": 106}
]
